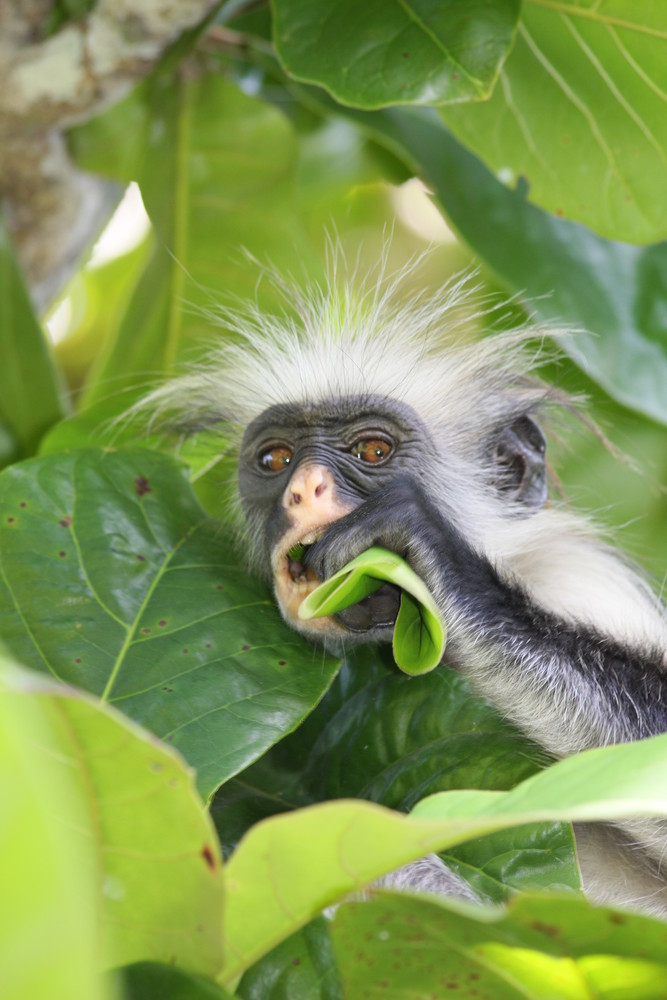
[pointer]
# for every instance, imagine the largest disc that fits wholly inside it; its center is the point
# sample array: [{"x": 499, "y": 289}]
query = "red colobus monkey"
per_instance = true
[{"x": 365, "y": 422}]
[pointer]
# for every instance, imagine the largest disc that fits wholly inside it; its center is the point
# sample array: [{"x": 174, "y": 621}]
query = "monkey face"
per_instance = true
[{"x": 303, "y": 468}]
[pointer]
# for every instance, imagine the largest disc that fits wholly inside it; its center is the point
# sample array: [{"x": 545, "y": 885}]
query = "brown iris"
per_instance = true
[
  {"x": 371, "y": 450},
  {"x": 276, "y": 459}
]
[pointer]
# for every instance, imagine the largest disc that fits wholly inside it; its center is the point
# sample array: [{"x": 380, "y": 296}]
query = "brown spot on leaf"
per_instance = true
[
  {"x": 455, "y": 76},
  {"x": 62, "y": 554},
  {"x": 208, "y": 856},
  {"x": 220, "y": 587},
  {"x": 296, "y": 961},
  {"x": 245, "y": 649},
  {"x": 282, "y": 663},
  {"x": 141, "y": 558},
  {"x": 142, "y": 486},
  {"x": 549, "y": 929},
  {"x": 185, "y": 651},
  {"x": 406, "y": 55},
  {"x": 10, "y": 520},
  {"x": 162, "y": 622},
  {"x": 208, "y": 645},
  {"x": 146, "y": 631},
  {"x": 168, "y": 690},
  {"x": 78, "y": 659},
  {"x": 22, "y": 504},
  {"x": 617, "y": 918},
  {"x": 65, "y": 523}
]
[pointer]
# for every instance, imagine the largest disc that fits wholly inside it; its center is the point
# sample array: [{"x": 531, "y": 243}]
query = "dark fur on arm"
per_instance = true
[{"x": 568, "y": 685}]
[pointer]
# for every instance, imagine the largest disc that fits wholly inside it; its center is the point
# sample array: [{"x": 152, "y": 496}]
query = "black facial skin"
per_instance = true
[{"x": 325, "y": 433}]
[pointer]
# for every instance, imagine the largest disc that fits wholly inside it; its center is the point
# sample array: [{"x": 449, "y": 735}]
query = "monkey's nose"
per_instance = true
[{"x": 309, "y": 485}]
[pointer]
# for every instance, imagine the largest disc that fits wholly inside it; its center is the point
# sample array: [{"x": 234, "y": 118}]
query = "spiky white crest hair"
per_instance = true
[{"x": 363, "y": 337}]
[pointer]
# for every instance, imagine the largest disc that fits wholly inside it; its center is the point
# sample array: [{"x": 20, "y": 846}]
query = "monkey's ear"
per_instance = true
[{"x": 520, "y": 468}]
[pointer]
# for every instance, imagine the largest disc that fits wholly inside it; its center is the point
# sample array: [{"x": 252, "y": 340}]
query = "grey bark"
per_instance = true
[{"x": 53, "y": 210}]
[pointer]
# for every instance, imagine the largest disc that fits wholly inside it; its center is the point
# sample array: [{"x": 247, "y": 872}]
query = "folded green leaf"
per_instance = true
[{"x": 419, "y": 632}]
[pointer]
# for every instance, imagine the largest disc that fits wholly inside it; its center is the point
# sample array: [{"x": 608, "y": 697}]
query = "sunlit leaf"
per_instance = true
[
  {"x": 289, "y": 867},
  {"x": 49, "y": 941},
  {"x": 579, "y": 115},
  {"x": 397, "y": 946},
  {"x": 216, "y": 172},
  {"x": 159, "y": 873}
]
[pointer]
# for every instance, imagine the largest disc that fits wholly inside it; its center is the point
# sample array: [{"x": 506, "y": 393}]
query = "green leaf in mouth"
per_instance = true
[{"x": 419, "y": 632}]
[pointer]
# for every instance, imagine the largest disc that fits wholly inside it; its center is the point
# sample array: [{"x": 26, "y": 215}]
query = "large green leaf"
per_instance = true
[
  {"x": 372, "y": 54},
  {"x": 397, "y": 946},
  {"x": 30, "y": 395},
  {"x": 579, "y": 115},
  {"x": 289, "y": 867},
  {"x": 114, "y": 579},
  {"x": 49, "y": 941},
  {"x": 156, "y": 859}
]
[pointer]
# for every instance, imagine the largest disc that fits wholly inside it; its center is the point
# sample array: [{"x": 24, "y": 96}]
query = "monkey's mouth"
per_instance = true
[
  {"x": 296, "y": 568},
  {"x": 299, "y": 573},
  {"x": 295, "y": 580},
  {"x": 377, "y": 610}
]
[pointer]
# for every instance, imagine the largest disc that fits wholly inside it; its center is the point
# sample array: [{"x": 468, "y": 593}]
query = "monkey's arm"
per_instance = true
[{"x": 567, "y": 685}]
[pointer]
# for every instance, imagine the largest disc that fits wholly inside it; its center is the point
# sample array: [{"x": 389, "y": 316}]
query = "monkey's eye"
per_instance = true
[
  {"x": 371, "y": 450},
  {"x": 276, "y": 459}
]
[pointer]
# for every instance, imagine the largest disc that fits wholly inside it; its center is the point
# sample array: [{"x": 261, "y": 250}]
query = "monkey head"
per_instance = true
[{"x": 305, "y": 466}]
